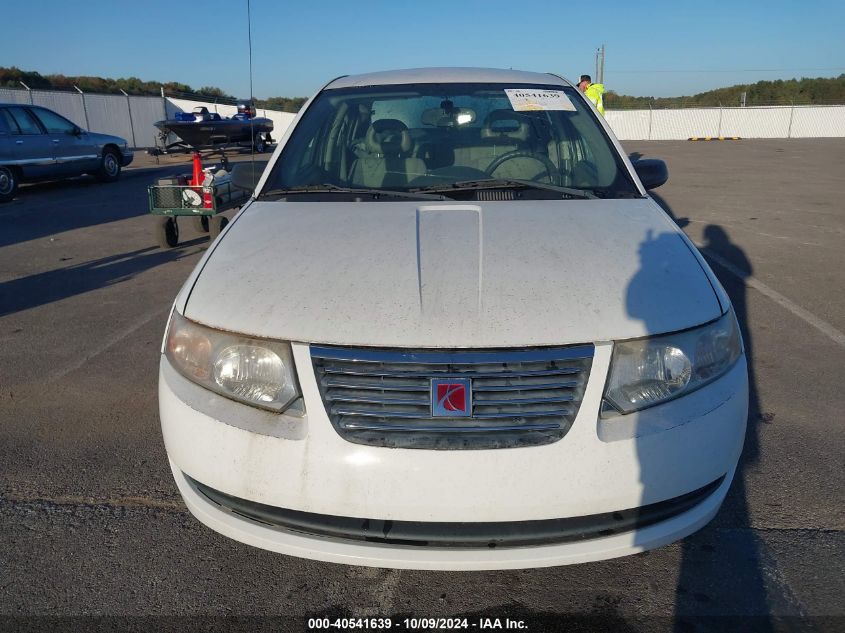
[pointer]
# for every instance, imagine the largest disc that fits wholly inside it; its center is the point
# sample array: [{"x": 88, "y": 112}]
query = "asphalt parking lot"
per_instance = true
[{"x": 91, "y": 523}]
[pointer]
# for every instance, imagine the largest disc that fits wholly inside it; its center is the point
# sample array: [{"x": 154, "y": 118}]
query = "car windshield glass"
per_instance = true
[{"x": 428, "y": 136}]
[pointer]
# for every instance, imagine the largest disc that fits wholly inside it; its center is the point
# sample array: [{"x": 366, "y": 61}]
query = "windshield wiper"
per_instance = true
[
  {"x": 496, "y": 183},
  {"x": 329, "y": 187}
]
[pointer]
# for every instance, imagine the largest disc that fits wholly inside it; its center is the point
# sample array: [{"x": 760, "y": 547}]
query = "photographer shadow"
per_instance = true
[{"x": 721, "y": 582}]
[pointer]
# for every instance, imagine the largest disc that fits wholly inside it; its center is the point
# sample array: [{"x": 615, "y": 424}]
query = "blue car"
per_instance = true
[{"x": 38, "y": 144}]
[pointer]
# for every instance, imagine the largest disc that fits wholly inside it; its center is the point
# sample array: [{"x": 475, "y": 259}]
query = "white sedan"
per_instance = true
[{"x": 451, "y": 330}]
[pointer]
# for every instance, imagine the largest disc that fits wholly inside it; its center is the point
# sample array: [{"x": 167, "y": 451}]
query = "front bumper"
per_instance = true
[
  {"x": 302, "y": 464},
  {"x": 401, "y": 556},
  {"x": 126, "y": 157}
]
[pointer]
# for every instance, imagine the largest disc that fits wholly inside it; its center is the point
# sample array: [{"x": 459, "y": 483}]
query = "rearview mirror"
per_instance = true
[
  {"x": 452, "y": 117},
  {"x": 246, "y": 175},
  {"x": 652, "y": 172}
]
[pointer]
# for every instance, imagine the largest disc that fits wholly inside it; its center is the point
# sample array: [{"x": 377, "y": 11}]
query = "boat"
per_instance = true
[{"x": 201, "y": 129}]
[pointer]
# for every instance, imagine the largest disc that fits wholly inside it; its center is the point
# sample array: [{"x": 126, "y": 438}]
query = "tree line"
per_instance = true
[
  {"x": 817, "y": 90},
  {"x": 12, "y": 78}
]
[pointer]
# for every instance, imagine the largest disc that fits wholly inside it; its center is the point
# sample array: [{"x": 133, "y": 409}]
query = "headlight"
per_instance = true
[
  {"x": 649, "y": 371},
  {"x": 253, "y": 371}
]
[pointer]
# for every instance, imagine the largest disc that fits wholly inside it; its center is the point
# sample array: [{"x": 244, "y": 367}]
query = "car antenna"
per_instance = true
[{"x": 251, "y": 96}]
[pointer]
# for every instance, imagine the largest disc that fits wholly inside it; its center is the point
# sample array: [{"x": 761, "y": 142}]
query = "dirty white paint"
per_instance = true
[{"x": 386, "y": 274}]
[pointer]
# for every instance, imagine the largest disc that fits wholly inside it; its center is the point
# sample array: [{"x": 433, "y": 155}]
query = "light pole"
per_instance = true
[{"x": 600, "y": 65}]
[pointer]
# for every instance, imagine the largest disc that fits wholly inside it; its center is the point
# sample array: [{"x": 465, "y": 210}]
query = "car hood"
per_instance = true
[{"x": 496, "y": 274}]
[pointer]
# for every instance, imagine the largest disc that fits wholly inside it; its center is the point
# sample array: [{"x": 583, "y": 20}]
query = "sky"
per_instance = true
[{"x": 653, "y": 48}]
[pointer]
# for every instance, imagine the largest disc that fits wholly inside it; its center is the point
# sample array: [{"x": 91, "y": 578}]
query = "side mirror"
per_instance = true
[
  {"x": 76, "y": 131},
  {"x": 652, "y": 172},
  {"x": 246, "y": 175}
]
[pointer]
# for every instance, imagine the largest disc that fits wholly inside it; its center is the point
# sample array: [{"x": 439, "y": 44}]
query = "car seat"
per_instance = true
[
  {"x": 506, "y": 131},
  {"x": 386, "y": 159}
]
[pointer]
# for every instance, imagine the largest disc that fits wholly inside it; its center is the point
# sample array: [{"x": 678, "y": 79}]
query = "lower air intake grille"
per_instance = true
[
  {"x": 463, "y": 535},
  {"x": 468, "y": 399}
]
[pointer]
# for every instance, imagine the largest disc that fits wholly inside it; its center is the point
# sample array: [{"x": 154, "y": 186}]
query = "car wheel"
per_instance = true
[
  {"x": 8, "y": 184},
  {"x": 201, "y": 223},
  {"x": 109, "y": 167},
  {"x": 167, "y": 232},
  {"x": 216, "y": 225}
]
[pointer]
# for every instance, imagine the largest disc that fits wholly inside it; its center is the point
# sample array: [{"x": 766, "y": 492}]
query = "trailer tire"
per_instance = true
[
  {"x": 167, "y": 232},
  {"x": 201, "y": 223},
  {"x": 216, "y": 226}
]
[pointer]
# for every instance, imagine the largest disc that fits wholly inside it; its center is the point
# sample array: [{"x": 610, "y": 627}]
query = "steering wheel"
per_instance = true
[{"x": 522, "y": 153}]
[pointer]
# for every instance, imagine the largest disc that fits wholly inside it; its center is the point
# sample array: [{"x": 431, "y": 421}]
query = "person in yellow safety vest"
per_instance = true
[{"x": 593, "y": 92}]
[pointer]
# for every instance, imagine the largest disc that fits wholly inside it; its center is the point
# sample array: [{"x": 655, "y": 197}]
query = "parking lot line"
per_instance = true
[
  {"x": 106, "y": 343},
  {"x": 749, "y": 280}
]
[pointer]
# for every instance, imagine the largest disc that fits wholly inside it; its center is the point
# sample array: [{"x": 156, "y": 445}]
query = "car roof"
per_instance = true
[{"x": 446, "y": 75}]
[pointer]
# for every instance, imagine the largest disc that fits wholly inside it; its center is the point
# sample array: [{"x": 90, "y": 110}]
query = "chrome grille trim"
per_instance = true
[
  {"x": 447, "y": 429},
  {"x": 375, "y": 399},
  {"x": 382, "y": 397},
  {"x": 527, "y": 386},
  {"x": 412, "y": 374},
  {"x": 477, "y": 416},
  {"x": 553, "y": 399},
  {"x": 388, "y": 387},
  {"x": 470, "y": 357}
]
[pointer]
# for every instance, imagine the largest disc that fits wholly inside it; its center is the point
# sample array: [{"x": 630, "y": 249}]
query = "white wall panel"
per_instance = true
[
  {"x": 145, "y": 112},
  {"x": 751, "y": 122},
  {"x": 818, "y": 121},
  {"x": 110, "y": 114},
  {"x": 756, "y": 122},
  {"x": 10, "y": 95},
  {"x": 682, "y": 124},
  {"x": 629, "y": 124}
]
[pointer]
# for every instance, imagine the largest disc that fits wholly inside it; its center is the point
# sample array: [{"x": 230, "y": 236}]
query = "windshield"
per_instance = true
[{"x": 441, "y": 136}]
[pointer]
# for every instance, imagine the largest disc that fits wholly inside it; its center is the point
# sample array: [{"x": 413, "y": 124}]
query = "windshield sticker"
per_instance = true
[{"x": 527, "y": 100}]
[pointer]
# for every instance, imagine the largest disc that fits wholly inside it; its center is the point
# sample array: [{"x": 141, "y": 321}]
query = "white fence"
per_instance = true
[
  {"x": 133, "y": 117},
  {"x": 129, "y": 117},
  {"x": 749, "y": 122}
]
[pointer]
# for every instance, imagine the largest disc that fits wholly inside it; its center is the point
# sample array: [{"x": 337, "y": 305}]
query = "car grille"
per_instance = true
[{"x": 517, "y": 398}]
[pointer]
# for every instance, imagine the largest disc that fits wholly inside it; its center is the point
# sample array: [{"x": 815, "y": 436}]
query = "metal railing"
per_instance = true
[
  {"x": 128, "y": 116},
  {"x": 131, "y": 117}
]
